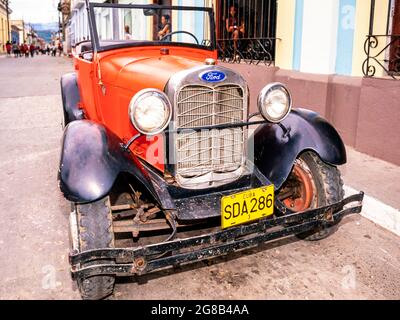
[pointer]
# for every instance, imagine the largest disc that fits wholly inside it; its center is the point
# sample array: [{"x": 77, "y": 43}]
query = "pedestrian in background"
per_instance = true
[
  {"x": 128, "y": 35},
  {"x": 26, "y": 47},
  {"x": 32, "y": 50},
  {"x": 8, "y": 48},
  {"x": 15, "y": 49},
  {"x": 165, "y": 27},
  {"x": 22, "y": 49},
  {"x": 53, "y": 50},
  {"x": 60, "y": 48}
]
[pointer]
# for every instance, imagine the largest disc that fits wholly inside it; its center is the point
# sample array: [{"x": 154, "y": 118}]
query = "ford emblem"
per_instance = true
[{"x": 213, "y": 76}]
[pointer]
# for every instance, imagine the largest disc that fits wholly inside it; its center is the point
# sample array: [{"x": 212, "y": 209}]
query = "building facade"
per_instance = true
[
  {"x": 64, "y": 7},
  {"x": 340, "y": 58},
  {"x": 19, "y": 31},
  {"x": 5, "y": 28},
  {"x": 336, "y": 31}
]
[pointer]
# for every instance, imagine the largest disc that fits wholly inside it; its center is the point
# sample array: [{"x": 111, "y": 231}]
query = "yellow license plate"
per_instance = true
[{"x": 247, "y": 206}]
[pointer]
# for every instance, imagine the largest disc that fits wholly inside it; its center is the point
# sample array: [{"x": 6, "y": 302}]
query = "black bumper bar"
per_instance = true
[{"x": 147, "y": 259}]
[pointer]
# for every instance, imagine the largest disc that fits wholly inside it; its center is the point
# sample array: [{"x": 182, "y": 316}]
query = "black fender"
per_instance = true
[
  {"x": 70, "y": 98},
  {"x": 92, "y": 157},
  {"x": 276, "y": 147}
]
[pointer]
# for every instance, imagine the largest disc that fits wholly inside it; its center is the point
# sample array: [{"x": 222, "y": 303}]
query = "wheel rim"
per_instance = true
[{"x": 301, "y": 189}]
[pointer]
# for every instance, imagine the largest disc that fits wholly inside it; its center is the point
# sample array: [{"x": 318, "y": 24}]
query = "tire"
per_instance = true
[
  {"x": 328, "y": 189},
  {"x": 94, "y": 223}
]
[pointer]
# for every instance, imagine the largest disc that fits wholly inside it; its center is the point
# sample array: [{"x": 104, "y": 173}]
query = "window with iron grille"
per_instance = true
[
  {"x": 246, "y": 31},
  {"x": 383, "y": 50}
]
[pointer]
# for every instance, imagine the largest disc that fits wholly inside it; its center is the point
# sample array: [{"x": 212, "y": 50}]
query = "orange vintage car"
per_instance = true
[{"x": 164, "y": 165}]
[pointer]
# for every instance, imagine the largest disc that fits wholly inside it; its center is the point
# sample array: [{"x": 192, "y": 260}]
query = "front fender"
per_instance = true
[
  {"x": 70, "y": 98},
  {"x": 91, "y": 160},
  {"x": 276, "y": 149}
]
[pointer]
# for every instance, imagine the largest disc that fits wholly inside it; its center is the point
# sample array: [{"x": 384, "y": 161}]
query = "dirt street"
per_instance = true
[{"x": 360, "y": 261}]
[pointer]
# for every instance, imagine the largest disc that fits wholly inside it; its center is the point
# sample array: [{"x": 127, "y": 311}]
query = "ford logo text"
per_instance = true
[{"x": 213, "y": 76}]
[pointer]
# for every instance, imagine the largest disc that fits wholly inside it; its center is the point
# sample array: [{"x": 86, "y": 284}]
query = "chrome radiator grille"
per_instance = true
[{"x": 210, "y": 151}]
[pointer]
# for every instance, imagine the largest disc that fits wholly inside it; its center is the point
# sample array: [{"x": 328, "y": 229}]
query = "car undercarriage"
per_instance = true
[{"x": 144, "y": 259}]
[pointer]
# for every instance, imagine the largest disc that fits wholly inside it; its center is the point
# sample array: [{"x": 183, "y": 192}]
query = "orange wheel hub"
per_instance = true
[{"x": 304, "y": 191}]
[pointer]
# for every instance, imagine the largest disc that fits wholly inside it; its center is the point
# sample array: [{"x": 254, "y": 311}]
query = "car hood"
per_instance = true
[{"x": 135, "y": 74}]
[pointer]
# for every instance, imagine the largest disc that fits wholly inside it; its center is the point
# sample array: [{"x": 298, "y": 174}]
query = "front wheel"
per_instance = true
[
  {"x": 312, "y": 184},
  {"x": 94, "y": 231}
]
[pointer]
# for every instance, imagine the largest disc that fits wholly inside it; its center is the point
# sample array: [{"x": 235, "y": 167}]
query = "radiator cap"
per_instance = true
[
  {"x": 164, "y": 51},
  {"x": 210, "y": 62}
]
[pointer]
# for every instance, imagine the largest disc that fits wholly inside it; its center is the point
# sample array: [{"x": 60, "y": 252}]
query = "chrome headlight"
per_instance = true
[
  {"x": 275, "y": 102},
  {"x": 150, "y": 111}
]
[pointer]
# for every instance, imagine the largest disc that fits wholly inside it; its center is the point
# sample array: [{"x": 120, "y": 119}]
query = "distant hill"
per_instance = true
[
  {"x": 44, "y": 30},
  {"x": 52, "y": 26},
  {"x": 45, "y": 35}
]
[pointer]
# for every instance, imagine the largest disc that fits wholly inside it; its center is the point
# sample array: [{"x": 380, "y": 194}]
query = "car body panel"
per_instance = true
[
  {"x": 94, "y": 152},
  {"x": 206, "y": 99},
  {"x": 132, "y": 69},
  {"x": 71, "y": 98},
  {"x": 108, "y": 83},
  {"x": 93, "y": 157},
  {"x": 91, "y": 160},
  {"x": 277, "y": 147}
]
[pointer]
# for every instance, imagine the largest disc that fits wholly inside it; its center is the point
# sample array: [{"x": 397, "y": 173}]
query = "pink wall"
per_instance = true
[{"x": 365, "y": 111}]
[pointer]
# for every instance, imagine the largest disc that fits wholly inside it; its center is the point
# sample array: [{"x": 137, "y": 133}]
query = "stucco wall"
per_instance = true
[
  {"x": 332, "y": 30},
  {"x": 3, "y": 30}
]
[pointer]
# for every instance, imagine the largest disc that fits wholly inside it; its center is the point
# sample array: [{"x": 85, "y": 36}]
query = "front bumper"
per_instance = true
[{"x": 142, "y": 260}]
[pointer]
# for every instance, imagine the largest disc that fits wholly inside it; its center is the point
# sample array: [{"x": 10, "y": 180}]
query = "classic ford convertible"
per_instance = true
[{"x": 164, "y": 164}]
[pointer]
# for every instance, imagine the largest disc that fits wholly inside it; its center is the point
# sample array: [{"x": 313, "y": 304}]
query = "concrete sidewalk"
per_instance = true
[{"x": 379, "y": 180}]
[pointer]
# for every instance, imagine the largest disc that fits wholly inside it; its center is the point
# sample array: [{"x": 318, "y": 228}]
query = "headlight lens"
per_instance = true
[
  {"x": 150, "y": 111},
  {"x": 275, "y": 102}
]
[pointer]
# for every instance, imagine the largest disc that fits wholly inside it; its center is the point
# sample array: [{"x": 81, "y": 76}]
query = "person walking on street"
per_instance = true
[
  {"x": 60, "y": 48},
  {"x": 32, "y": 50},
  {"x": 22, "y": 50},
  {"x": 53, "y": 50},
  {"x": 15, "y": 49},
  {"x": 8, "y": 48},
  {"x": 26, "y": 48}
]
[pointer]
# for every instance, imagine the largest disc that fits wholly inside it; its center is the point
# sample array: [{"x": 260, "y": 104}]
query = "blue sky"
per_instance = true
[{"x": 35, "y": 11}]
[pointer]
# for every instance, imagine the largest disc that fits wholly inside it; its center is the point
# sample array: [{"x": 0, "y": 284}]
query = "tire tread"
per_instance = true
[
  {"x": 95, "y": 230},
  {"x": 331, "y": 184}
]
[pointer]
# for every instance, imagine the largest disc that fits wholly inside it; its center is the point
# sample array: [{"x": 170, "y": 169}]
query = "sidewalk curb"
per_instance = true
[{"x": 378, "y": 212}]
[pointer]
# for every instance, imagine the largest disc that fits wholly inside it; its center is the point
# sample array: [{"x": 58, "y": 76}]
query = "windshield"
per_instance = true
[{"x": 129, "y": 25}]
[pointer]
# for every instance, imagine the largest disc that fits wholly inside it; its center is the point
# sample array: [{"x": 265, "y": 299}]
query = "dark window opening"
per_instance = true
[{"x": 246, "y": 30}]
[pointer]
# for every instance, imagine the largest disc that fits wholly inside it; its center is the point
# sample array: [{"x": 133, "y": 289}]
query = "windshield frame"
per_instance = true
[{"x": 95, "y": 37}]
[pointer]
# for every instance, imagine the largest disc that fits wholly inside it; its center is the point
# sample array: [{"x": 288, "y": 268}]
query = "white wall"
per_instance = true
[{"x": 319, "y": 40}]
